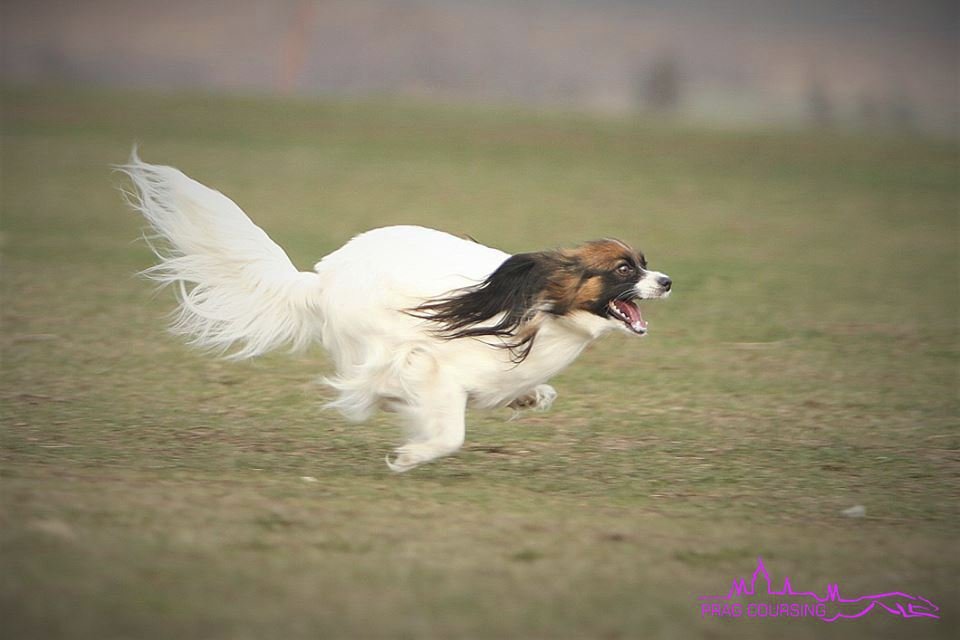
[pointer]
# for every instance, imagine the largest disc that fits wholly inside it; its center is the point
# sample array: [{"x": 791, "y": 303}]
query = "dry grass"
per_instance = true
[{"x": 807, "y": 363}]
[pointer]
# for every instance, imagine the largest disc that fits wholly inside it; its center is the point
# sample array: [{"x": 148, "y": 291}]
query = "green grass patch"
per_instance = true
[{"x": 807, "y": 362}]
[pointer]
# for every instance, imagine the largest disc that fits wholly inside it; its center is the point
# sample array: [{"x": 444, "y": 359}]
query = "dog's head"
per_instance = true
[
  {"x": 606, "y": 278},
  {"x": 602, "y": 280}
]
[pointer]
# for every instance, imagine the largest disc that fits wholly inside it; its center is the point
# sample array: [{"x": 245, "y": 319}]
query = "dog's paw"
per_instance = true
[
  {"x": 540, "y": 398},
  {"x": 403, "y": 460},
  {"x": 410, "y": 456}
]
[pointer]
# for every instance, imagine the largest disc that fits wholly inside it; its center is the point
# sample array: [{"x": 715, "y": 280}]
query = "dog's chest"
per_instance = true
[{"x": 553, "y": 351}]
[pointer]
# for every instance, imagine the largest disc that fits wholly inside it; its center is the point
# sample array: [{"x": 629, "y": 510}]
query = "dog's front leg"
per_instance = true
[{"x": 435, "y": 425}]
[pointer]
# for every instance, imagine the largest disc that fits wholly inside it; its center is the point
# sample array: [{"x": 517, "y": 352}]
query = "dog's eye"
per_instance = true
[{"x": 624, "y": 269}]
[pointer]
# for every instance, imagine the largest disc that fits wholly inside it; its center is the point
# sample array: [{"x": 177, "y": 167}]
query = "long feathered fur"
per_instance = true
[
  {"x": 513, "y": 294},
  {"x": 238, "y": 291},
  {"x": 514, "y": 298}
]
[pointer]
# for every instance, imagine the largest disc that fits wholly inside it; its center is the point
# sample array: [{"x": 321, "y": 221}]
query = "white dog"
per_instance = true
[{"x": 417, "y": 321}]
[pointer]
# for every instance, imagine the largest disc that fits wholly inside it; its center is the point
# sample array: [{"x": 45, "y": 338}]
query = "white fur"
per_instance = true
[
  {"x": 238, "y": 290},
  {"x": 649, "y": 286},
  {"x": 236, "y": 287}
]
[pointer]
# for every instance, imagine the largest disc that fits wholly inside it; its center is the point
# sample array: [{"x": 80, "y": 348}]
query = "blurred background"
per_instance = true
[{"x": 864, "y": 64}]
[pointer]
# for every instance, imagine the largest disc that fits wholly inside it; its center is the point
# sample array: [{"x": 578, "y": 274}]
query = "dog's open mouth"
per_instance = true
[{"x": 627, "y": 312}]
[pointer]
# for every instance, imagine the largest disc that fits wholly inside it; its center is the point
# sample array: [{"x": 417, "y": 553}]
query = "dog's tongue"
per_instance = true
[{"x": 632, "y": 311}]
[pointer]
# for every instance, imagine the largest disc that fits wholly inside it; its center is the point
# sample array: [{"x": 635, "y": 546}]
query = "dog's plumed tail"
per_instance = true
[{"x": 238, "y": 290}]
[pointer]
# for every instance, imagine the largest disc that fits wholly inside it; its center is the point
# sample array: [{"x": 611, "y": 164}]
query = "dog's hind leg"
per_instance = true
[
  {"x": 436, "y": 424},
  {"x": 540, "y": 398}
]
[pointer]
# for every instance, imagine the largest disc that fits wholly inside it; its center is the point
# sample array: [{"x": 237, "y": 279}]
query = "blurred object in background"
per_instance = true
[
  {"x": 869, "y": 64},
  {"x": 297, "y": 45},
  {"x": 818, "y": 101},
  {"x": 661, "y": 88}
]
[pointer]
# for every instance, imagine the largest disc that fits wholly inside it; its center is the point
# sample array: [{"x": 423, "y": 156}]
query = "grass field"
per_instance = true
[{"x": 807, "y": 362}]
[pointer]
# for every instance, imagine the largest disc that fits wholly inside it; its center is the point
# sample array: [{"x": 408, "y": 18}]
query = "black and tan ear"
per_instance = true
[{"x": 515, "y": 290}]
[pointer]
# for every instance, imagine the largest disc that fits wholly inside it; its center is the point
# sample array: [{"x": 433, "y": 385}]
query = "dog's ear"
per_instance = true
[
  {"x": 516, "y": 286},
  {"x": 515, "y": 290}
]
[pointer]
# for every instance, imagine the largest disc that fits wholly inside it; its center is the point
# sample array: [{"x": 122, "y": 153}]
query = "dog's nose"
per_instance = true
[{"x": 665, "y": 282}]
